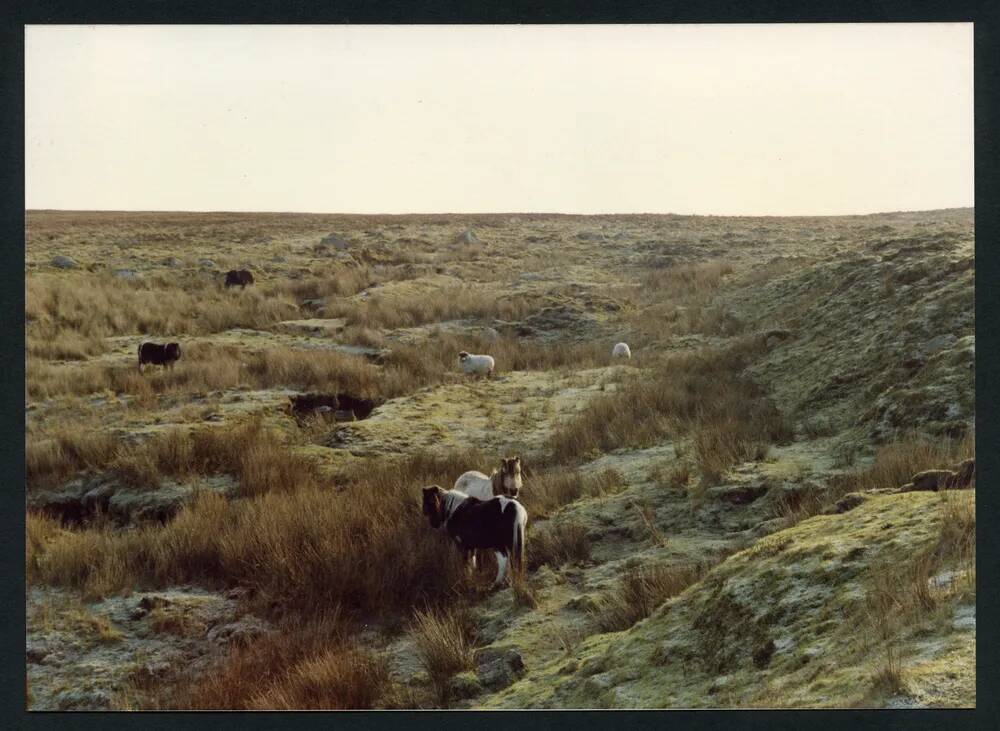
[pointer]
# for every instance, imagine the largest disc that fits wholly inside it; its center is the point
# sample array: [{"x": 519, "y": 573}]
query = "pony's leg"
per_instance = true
[
  {"x": 501, "y": 569},
  {"x": 472, "y": 559}
]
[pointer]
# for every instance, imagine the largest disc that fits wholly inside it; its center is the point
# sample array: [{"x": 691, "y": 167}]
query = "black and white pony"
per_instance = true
[{"x": 498, "y": 524}]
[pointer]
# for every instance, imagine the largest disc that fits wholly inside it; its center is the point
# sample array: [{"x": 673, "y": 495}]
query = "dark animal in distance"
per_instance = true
[
  {"x": 241, "y": 277},
  {"x": 164, "y": 355},
  {"x": 498, "y": 524}
]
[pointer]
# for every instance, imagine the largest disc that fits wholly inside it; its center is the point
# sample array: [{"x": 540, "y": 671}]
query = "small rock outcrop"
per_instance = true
[
  {"x": 934, "y": 480},
  {"x": 63, "y": 262},
  {"x": 498, "y": 667}
]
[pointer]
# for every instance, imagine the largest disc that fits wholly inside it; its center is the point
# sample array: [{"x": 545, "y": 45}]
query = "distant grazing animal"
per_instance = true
[
  {"x": 479, "y": 365},
  {"x": 164, "y": 355},
  {"x": 621, "y": 351},
  {"x": 241, "y": 277},
  {"x": 504, "y": 481},
  {"x": 498, "y": 524}
]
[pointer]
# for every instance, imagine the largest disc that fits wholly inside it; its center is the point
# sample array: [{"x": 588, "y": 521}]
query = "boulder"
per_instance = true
[
  {"x": 63, "y": 262},
  {"x": 130, "y": 274},
  {"x": 962, "y": 477},
  {"x": 498, "y": 667},
  {"x": 931, "y": 480},
  {"x": 206, "y": 264},
  {"x": 464, "y": 685}
]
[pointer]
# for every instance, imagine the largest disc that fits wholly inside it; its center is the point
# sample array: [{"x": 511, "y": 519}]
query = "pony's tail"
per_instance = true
[{"x": 517, "y": 550}]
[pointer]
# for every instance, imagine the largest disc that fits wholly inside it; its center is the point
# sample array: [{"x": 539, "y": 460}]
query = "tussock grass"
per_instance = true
[
  {"x": 641, "y": 591},
  {"x": 548, "y": 489},
  {"x": 443, "y": 646},
  {"x": 297, "y": 546},
  {"x": 894, "y": 465},
  {"x": 98, "y": 305},
  {"x": 437, "y": 305},
  {"x": 558, "y": 543},
  {"x": 700, "y": 393},
  {"x": 259, "y": 458},
  {"x": 302, "y": 665},
  {"x": 59, "y": 454}
]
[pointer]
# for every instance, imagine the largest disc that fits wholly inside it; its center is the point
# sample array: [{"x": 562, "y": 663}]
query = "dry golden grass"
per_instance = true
[
  {"x": 641, "y": 591},
  {"x": 443, "y": 646},
  {"x": 699, "y": 393},
  {"x": 60, "y": 453},
  {"x": 441, "y": 304},
  {"x": 298, "y": 544},
  {"x": 306, "y": 665},
  {"x": 175, "y": 622},
  {"x": 549, "y": 488},
  {"x": 556, "y": 544},
  {"x": 894, "y": 465}
]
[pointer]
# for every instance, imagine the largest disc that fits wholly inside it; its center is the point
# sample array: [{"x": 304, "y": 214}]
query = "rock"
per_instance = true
[
  {"x": 467, "y": 237},
  {"x": 334, "y": 241},
  {"x": 931, "y": 480},
  {"x": 278, "y": 259},
  {"x": 173, "y": 262},
  {"x": 962, "y": 477},
  {"x": 129, "y": 274},
  {"x": 850, "y": 501},
  {"x": 490, "y": 334},
  {"x": 965, "y": 618},
  {"x": 345, "y": 415},
  {"x": 739, "y": 494},
  {"x": 464, "y": 685},
  {"x": 206, "y": 264},
  {"x": 498, "y": 667},
  {"x": 36, "y": 651},
  {"x": 63, "y": 262}
]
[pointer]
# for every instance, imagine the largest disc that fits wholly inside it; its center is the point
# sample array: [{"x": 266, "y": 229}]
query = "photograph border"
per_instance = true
[{"x": 12, "y": 602}]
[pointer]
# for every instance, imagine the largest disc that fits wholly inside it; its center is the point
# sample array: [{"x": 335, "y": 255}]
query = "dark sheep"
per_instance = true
[
  {"x": 241, "y": 277},
  {"x": 164, "y": 355}
]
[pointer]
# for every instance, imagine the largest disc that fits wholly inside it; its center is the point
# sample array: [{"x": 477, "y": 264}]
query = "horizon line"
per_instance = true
[{"x": 498, "y": 213}]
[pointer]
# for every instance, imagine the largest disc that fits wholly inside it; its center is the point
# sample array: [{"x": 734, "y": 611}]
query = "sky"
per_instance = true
[{"x": 711, "y": 119}]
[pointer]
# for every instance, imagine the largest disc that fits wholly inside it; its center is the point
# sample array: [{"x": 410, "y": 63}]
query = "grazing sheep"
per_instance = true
[
  {"x": 478, "y": 365},
  {"x": 504, "y": 481},
  {"x": 621, "y": 351}
]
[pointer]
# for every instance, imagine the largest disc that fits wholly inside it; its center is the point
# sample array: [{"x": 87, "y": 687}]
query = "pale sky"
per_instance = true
[{"x": 722, "y": 119}]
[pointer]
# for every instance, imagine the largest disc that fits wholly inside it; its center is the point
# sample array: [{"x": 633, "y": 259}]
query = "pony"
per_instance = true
[
  {"x": 504, "y": 481},
  {"x": 498, "y": 524}
]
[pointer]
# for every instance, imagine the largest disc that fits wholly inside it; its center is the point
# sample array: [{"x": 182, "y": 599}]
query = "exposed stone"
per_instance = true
[
  {"x": 498, "y": 667},
  {"x": 63, "y": 262}
]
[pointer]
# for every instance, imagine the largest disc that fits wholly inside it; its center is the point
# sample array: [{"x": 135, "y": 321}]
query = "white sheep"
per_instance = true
[
  {"x": 479, "y": 365},
  {"x": 621, "y": 351}
]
